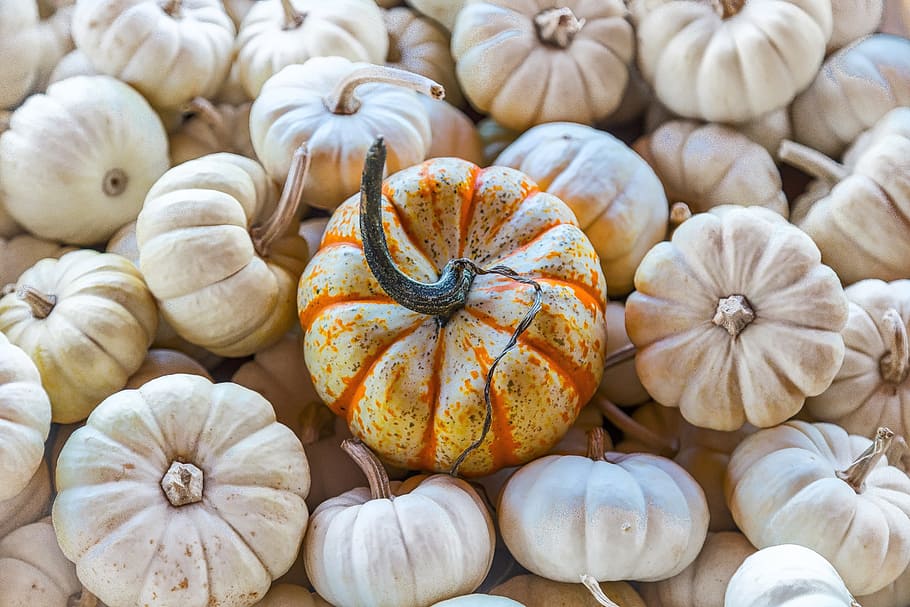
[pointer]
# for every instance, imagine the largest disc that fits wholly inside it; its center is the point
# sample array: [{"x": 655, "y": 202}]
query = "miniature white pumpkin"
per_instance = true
[
  {"x": 33, "y": 571},
  {"x": 74, "y": 63},
  {"x": 20, "y": 47},
  {"x": 210, "y": 129},
  {"x": 853, "y": 19},
  {"x": 55, "y": 43},
  {"x": 443, "y": 12},
  {"x": 453, "y": 133}
]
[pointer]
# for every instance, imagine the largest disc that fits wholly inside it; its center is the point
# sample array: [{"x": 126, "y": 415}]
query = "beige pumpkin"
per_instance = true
[
  {"x": 853, "y": 19},
  {"x": 443, "y": 12},
  {"x": 850, "y": 210},
  {"x": 290, "y": 595},
  {"x": 714, "y": 61},
  {"x": 30, "y": 504},
  {"x": 817, "y": 486},
  {"x": 563, "y": 516},
  {"x": 56, "y": 41},
  {"x": 108, "y": 146},
  {"x": 192, "y": 481},
  {"x": 453, "y": 133},
  {"x": 635, "y": 101},
  {"x": 159, "y": 362},
  {"x": 620, "y": 383},
  {"x": 19, "y": 253},
  {"x": 535, "y": 591},
  {"x": 210, "y": 129},
  {"x": 87, "y": 321},
  {"x": 615, "y": 195},
  {"x": 74, "y": 63},
  {"x": 529, "y": 63},
  {"x": 418, "y": 44},
  {"x": 8, "y": 225},
  {"x": 736, "y": 319},
  {"x": 231, "y": 91},
  {"x": 169, "y": 51},
  {"x": 704, "y": 582},
  {"x": 277, "y": 33},
  {"x": 25, "y": 419},
  {"x": 425, "y": 540},
  {"x": 495, "y": 138},
  {"x": 893, "y": 595},
  {"x": 875, "y": 69},
  {"x": 709, "y": 165},
  {"x": 338, "y": 108},
  {"x": 221, "y": 258},
  {"x": 312, "y": 230},
  {"x": 478, "y": 600},
  {"x": 20, "y": 47}
]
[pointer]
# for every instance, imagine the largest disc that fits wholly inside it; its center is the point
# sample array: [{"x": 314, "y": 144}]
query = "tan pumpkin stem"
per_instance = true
[
  {"x": 83, "y": 598},
  {"x": 114, "y": 182},
  {"x": 596, "y": 591},
  {"x": 172, "y": 7},
  {"x": 316, "y": 422},
  {"x": 898, "y": 453},
  {"x": 557, "y": 26},
  {"x": 679, "y": 212},
  {"x": 856, "y": 474},
  {"x": 205, "y": 110},
  {"x": 292, "y": 17},
  {"x": 727, "y": 8},
  {"x": 41, "y": 304},
  {"x": 276, "y": 226},
  {"x": 182, "y": 484},
  {"x": 632, "y": 428},
  {"x": 343, "y": 100},
  {"x": 734, "y": 313},
  {"x": 812, "y": 162},
  {"x": 619, "y": 356},
  {"x": 597, "y": 444},
  {"x": 366, "y": 460},
  {"x": 895, "y": 364}
]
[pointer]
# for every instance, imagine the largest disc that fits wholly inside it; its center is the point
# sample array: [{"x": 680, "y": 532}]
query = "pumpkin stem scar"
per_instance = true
[
  {"x": 41, "y": 304},
  {"x": 557, "y": 26},
  {"x": 734, "y": 313},
  {"x": 172, "y": 7},
  {"x": 83, "y": 598},
  {"x": 895, "y": 364},
  {"x": 727, "y": 8},
  {"x": 596, "y": 591},
  {"x": 114, "y": 182},
  {"x": 276, "y": 226},
  {"x": 811, "y": 162},
  {"x": 203, "y": 109},
  {"x": 366, "y": 460},
  {"x": 182, "y": 484},
  {"x": 342, "y": 99},
  {"x": 632, "y": 428},
  {"x": 292, "y": 17},
  {"x": 856, "y": 474}
]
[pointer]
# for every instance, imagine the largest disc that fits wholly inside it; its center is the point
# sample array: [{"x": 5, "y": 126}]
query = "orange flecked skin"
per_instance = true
[{"x": 412, "y": 388}]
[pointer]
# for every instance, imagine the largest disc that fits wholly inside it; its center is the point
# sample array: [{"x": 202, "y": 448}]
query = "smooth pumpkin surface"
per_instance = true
[
  {"x": 535, "y": 591},
  {"x": 853, "y": 19},
  {"x": 28, "y": 505},
  {"x": 453, "y": 132},
  {"x": 54, "y": 33},
  {"x": 443, "y": 12},
  {"x": 33, "y": 571}
]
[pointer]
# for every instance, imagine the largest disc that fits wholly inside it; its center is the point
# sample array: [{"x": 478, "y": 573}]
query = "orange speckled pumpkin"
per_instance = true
[{"x": 411, "y": 383}]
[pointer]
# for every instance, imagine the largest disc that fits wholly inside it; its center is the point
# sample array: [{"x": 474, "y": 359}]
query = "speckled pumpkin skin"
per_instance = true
[{"x": 412, "y": 388}]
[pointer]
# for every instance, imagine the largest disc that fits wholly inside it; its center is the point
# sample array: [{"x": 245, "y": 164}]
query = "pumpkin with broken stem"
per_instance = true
[{"x": 428, "y": 284}]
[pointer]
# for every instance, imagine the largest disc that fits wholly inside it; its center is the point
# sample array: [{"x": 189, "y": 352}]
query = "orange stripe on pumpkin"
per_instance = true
[
  {"x": 427, "y": 456},
  {"x": 468, "y": 203},
  {"x": 319, "y": 305}
]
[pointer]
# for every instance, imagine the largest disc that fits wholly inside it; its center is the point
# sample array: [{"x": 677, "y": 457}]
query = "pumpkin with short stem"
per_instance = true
[
  {"x": 28, "y": 505},
  {"x": 740, "y": 45},
  {"x": 20, "y": 47},
  {"x": 291, "y": 595},
  {"x": 704, "y": 582},
  {"x": 19, "y": 253},
  {"x": 620, "y": 383},
  {"x": 535, "y": 591},
  {"x": 87, "y": 320},
  {"x": 736, "y": 319},
  {"x": 212, "y": 128},
  {"x": 532, "y": 62},
  {"x": 421, "y": 541},
  {"x": 410, "y": 326},
  {"x": 452, "y": 132},
  {"x": 817, "y": 486},
  {"x": 278, "y": 33},
  {"x": 787, "y": 574},
  {"x": 170, "y": 51},
  {"x": 109, "y": 148},
  {"x": 160, "y": 362},
  {"x": 195, "y": 481},
  {"x": 219, "y": 255},
  {"x": 564, "y": 516}
]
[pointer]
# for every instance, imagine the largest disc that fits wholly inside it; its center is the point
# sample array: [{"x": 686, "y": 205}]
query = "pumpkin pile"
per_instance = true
[{"x": 456, "y": 303}]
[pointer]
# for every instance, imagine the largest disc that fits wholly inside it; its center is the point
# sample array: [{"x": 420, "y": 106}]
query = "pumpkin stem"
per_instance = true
[
  {"x": 557, "y": 26},
  {"x": 172, "y": 7},
  {"x": 276, "y": 226},
  {"x": 679, "y": 212},
  {"x": 366, "y": 460},
  {"x": 596, "y": 591},
  {"x": 597, "y": 444},
  {"x": 203, "y": 109},
  {"x": 727, "y": 8},
  {"x": 619, "y": 356},
  {"x": 632, "y": 428},
  {"x": 41, "y": 304},
  {"x": 292, "y": 17},
  {"x": 812, "y": 162},
  {"x": 83, "y": 598},
  {"x": 733, "y": 313},
  {"x": 182, "y": 484},
  {"x": 316, "y": 422},
  {"x": 895, "y": 364},
  {"x": 343, "y": 100},
  {"x": 114, "y": 182},
  {"x": 856, "y": 474},
  {"x": 898, "y": 453}
]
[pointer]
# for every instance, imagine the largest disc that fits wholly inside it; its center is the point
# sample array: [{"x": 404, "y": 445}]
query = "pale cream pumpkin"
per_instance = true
[
  {"x": 876, "y": 69},
  {"x": 495, "y": 138},
  {"x": 56, "y": 42},
  {"x": 453, "y": 133},
  {"x": 478, "y": 600},
  {"x": 231, "y": 91},
  {"x": 615, "y": 195},
  {"x": 786, "y": 575},
  {"x": 527, "y": 63},
  {"x": 169, "y": 51},
  {"x": 28, "y": 505},
  {"x": 8, "y": 225},
  {"x": 87, "y": 320},
  {"x": 853, "y": 19},
  {"x": 33, "y": 571},
  {"x": 817, "y": 486},
  {"x": 714, "y": 60},
  {"x": 620, "y": 383},
  {"x": 736, "y": 319},
  {"x": 418, "y": 44},
  {"x": 277, "y": 33},
  {"x": 635, "y": 102},
  {"x": 709, "y": 165},
  {"x": 160, "y": 362},
  {"x": 25, "y": 419},
  {"x": 210, "y": 129},
  {"x": 77, "y": 161},
  {"x": 191, "y": 491},
  {"x": 237, "y": 9},
  {"x": 560, "y": 521},
  {"x": 893, "y": 595},
  {"x": 444, "y": 12},
  {"x": 312, "y": 230},
  {"x": 220, "y": 256},
  {"x": 20, "y": 47},
  {"x": 704, "y": 582},
  {"x": 19, "y": 253},
  {"x": 338, "y": 108},
  {"x": 425, "y": 540},
  {"x": 535, "y": 591},
  {"x": 74, "y": 63},
  {"x": 291, "y": 595}
]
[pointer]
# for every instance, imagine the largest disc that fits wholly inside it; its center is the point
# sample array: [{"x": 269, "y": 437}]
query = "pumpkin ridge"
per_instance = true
[
  {"x": 523, "y": 247},
  {"x": 582, "y": 291},
  {"x": 330, "y": 239},
  {"x": 515, "y": 209},
  {"x": 408, "y": 231},
  {"x": 426, "y": 457},
  {"x": 213, "y": 511},
  {"x": 466, "y": 215},
  {"x": 308, "y": 315}
]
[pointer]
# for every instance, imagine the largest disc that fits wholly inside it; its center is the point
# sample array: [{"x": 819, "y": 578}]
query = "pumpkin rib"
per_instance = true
[
  {"x": 429, "y": 436},
  {"x": 581, "y": 291},
  {"x": 468, "y": 205},
  {"x": 313, "y": 311},
  {"x": 407, "y": 230},
  {"x": 213, "y": 511},
  {"x": 533, "y": 240}
]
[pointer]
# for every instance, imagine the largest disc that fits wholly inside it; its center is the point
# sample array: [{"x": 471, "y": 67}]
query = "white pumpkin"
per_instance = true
[
  {"x": 33, "y": 571},
  {"x": 453, "y": 132},
  {"x": 893, "y": 595},
  {"x": 478, "y": 600},
  {"x": 77, "y": 161},
  {"x": 19, "y": 253},
  {"x": 170, "y": 51},
  {"x": 20, "y": 47},
  {"x": 159, "y": 362},
  {"x": 28, "y": 505},
  {"x": 444, "y": 12},
  {"x": 74, "y": 63},
  {"x": 853, "y": 19},
  {"x": 56, "y": 42},
  {"x": 210, "y": 129}
]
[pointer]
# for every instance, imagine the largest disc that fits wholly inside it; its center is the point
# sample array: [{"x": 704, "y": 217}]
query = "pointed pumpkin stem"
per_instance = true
[
  {"x": 316, "y": 422},
  {"x": 366, "y": 460},
  {"x": 812, "y": 162},
  {"x": 895, "y": 364},
  {"x": 632, "y": 428},
  {"x": 343, "y": 100},
  {"x": 597, "y": 444},
  {"x": 203, "y": 109},
  {"x": 41, "y": 304},
  {"x": 172, "y": 7},
  {"x": 856, "y": 474},
  {"x": 596, "y": 591},
  {"x": 292, "y": 17},
  {"x": 84, "y": 598},
  {"x": 557, "y": 26},
  {"x": 264, "y": 236}
]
